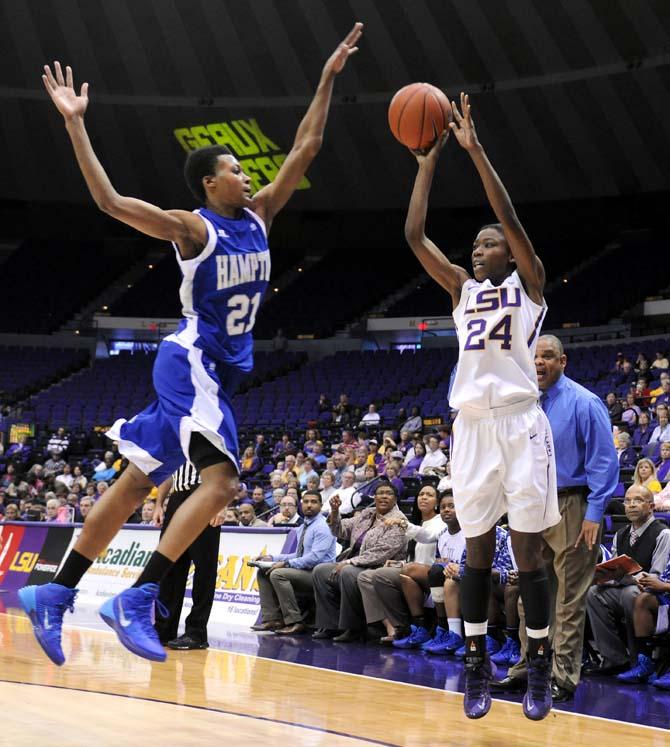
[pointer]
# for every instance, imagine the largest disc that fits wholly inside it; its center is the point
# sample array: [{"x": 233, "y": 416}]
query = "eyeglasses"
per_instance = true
[{"x": 634, "y": 501}]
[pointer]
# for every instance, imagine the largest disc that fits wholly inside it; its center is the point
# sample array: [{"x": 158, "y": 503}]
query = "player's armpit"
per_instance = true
[{"x": 450, "y": 276}]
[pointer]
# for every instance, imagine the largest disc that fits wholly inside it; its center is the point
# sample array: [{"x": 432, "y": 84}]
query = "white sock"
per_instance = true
[
  {"x": 543, "y": 633},
  {"x": 472, "y": 629},
  {"x": 455, "y": 625}
]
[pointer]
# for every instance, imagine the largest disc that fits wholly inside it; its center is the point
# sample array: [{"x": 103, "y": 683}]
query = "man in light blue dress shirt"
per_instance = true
[
  {"x": 587, "y": 474},
  {"x": 291, "y": 573}
]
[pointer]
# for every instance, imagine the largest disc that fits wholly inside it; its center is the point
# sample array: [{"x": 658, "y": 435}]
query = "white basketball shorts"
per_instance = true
[{"x": 503, "y": 462}]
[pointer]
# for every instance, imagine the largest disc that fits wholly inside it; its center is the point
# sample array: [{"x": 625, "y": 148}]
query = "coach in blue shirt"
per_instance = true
[
  {"x": 291, "y": 573},
  {"x": 587, "y": 472}
]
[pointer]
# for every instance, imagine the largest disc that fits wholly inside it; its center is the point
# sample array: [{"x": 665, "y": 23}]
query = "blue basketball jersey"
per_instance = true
[{"x": 222, "y": 288}]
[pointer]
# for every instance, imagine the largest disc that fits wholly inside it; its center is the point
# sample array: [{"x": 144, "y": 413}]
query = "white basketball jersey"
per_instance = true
[
  {"x": 497, "y": 329},
  {"x": 451, "y": 546}
]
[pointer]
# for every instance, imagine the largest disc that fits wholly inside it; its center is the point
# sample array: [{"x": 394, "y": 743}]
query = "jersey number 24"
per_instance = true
[{"x": 502, "y": 332}]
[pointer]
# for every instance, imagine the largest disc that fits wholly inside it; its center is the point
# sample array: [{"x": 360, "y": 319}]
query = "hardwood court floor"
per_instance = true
[{"x": 106, "y": 696}]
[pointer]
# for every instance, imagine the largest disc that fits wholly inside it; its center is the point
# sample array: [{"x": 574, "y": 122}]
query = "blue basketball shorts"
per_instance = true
[{"x": 194, "y": 396}]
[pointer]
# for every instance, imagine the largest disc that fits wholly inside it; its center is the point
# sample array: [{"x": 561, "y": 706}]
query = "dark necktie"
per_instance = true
[
  {"x": 544, "y": 398},
  {"x": 301, "y": 542}
]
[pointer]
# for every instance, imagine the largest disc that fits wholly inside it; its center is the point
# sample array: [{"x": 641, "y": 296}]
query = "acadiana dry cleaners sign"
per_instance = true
[{"x": 259, "y": 156}]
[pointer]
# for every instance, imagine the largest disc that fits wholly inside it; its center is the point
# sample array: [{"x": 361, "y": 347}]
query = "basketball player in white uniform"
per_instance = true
[{"x": 502, "y": 460}]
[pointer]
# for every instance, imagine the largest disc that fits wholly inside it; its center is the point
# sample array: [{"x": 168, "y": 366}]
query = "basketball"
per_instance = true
[{"x": 417, "y": 113}]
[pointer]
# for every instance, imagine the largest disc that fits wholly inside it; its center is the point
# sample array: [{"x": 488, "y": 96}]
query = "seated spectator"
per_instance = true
[
  {"x": 106, "y": 470},
  {"x": 261, "y": 506},
  {"x": 275, "y": 483},
  {"x": 259, "y": 447},
  {"x": 277, "y": 495},
  {"x": 650, "y": 617},
  {"x": 392, "y": 475},
  {"x": 369, "y": 473},
  {"x": 411, "y": 468},
  {"x": 283, "y": 447},
  {"x": 100, "y": 488},
  {"x": 66, "y": 477},
  {"x": 631, "y": 412},
  {"x": 339, "y": 467},
  {"x": 8, "y": 477},
  {"x": 289, "y": 467},
  {"x": 626, "y": 454},
  {"x": 342, "y": 411},
  {"x": 660, "y": 361},
  {"x": 291, "y": 575},
  {"x": 435, "y": 460},
  {"x": 85, "y": 505},
  {"x": 287, "y": 514},
  {"x": 324, "y": 404},
  {"x": 307, "y": 472},
  {"x": 381, "y": 588},
  {"x": 614, "y": 407},
  {"x": 349, "y": 442},
  {"x": 248, "y": 516},
  {"x": 612, "y": 597},
  {"x": 664, "y": 397},
  {"x": 59, "y": 442},
  {"x": 299, "y": 463},
  {"x": 663, "y": 468},
  {"x": 665, "y": 376},
  {"x": 91, "y": 491},
  {"x": 78, "y": 477},
  {"x": 18, "y": 452},
  {"x": 444, "y": 432},
  {"x": 250, "y": 464},
  {"x": 52, "y": 507},
  {"x": 327, "y": 490},
  {"x": 231, "y": 518},
  {"x": 292, "y": 481},
  {"x": 414, "y": 422},
  {"x": 662, "y": 431},
  {"x": 641, "y": 364},
  {"x": 445, "y": 482},
  {"x": 642, "y": 433},
  {"x": 147, "y": 515},
  {"x": 11, "y": 513},
  {"x": 311, "y": 439},
  {"x": 346, "y": 492},
  {"x": 642, "y": 393},
  {"x": 371, "y": 417},
  {"x": 372, "y": 542},
  {"x": 318, "y": 457},
  {"x": 374, "y": 456},
  {"x": 405, "y": 442},
  {"x": 313, "y": 483},
  {"x": 645, "y": 475}
]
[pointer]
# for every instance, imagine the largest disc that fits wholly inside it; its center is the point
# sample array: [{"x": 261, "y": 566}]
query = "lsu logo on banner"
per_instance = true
[
  {"x": 10, "y": 541},
  {"x": 259, "y": 157}
]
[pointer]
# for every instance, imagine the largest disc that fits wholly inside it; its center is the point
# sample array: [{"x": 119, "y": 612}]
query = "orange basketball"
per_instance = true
[{"x": 416, "y": 113}]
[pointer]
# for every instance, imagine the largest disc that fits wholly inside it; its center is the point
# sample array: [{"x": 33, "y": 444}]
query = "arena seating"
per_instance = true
[{"x": 24, "y": 370}]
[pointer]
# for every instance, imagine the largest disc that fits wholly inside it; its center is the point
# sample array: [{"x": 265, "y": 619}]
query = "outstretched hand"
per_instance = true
[
  {"x": 432, "y": 152},
  {"x": 463, "y": 127},
  {"x": 336, "y": 62},
  {"x": 61, "y": 90}
]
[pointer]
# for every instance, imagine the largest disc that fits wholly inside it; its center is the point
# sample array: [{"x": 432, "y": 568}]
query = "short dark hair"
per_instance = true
[
  {"x": 199, "y": 164},
  {"x": 387, "y": 484},
  {"x": 313, "y": 492},
  {"x": 496, "y": 226}
]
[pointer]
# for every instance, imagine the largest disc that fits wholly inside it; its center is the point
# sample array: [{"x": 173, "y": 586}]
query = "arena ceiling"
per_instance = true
[{"x": 571, "y": 97}]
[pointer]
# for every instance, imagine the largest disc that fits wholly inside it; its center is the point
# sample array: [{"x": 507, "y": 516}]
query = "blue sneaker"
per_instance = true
[
  {"x": 663, "y": 682},
  {"x": 478, "y": 675},
  {"x": 438, "y": 636},
  {"x": 130, "y": 615},
  {"x": 447, "y": 645},
  {"x": 639, "y": 673},
  {"x": 492, "y": 647},
  {"x": 45, "y": 606},
  {"x": 537, "y": 701},
  {"x": 416, "y": 638},
  {"x": 508, "y": 655}
]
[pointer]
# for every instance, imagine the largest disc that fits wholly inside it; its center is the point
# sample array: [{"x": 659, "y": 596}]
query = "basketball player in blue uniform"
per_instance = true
[
  {"x": 502, "y": 456},
  {"x": 223, "y": 254}
]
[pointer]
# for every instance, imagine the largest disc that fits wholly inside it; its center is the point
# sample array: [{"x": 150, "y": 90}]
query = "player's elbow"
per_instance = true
[
  {"x": 311, "y": 145},
  {"x": 109, "y": 204},
  {"x": 414, "y": 236}
]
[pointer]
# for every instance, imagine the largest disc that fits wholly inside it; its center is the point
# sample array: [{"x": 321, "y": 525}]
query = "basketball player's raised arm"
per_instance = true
[
  {"x": 179, "y": 226},
  {"x": 450, "y": 276},
  {"x": 528, "y": 264},
  {"x": 309, "y": 136}
]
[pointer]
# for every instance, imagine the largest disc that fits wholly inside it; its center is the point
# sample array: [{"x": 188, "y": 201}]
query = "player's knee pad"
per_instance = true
[{"x": 436, "y": 575}]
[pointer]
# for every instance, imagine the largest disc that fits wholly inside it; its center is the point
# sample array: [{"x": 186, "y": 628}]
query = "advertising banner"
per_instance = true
[{"x": 19, "y": 552}]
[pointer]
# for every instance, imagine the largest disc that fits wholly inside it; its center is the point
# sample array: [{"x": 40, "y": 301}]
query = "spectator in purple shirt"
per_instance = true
[
  {"x": 643, "y": 432},
  {"x": 664, "y": 398},
  {"x": 283, "y": 447},
  {"x": 392, "y": 477},
  {"x": 663, "y": 468},
  {"x": 626, "y": 454},
  {"x": 412, "y": 467}
]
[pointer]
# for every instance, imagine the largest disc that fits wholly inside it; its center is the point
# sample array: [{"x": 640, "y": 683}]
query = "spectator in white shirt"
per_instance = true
[
  {"x": 327, "y": 491},
  {"x": 346, "y": 492},
  {"x": 434, "y": 459},
  {"x": 371, "y": 417},
  {"x": 67, "y": 478}
]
